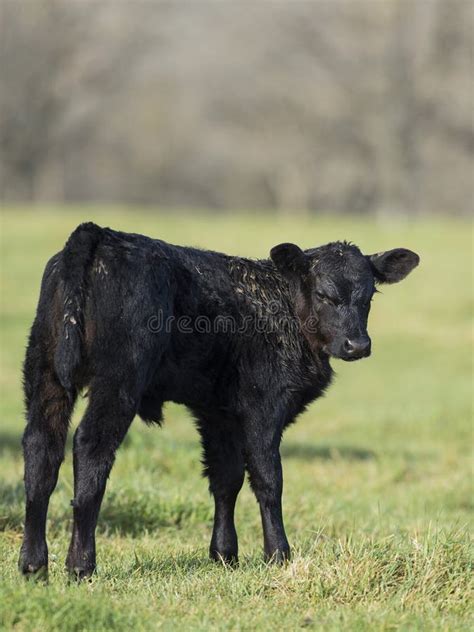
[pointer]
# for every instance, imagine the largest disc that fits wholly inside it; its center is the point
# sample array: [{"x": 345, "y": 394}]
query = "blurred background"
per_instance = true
[{"x": 299, "y": 106}]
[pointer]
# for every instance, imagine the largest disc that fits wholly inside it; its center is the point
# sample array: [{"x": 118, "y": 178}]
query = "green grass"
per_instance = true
[{"x": 378, "y": 475}]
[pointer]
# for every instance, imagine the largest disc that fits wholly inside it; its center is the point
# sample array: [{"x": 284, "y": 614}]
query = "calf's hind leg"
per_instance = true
[
  {"x": 224, "y": 466},
  {"x": 48, "y": 412},
  {"x": 100, "y": 433}
]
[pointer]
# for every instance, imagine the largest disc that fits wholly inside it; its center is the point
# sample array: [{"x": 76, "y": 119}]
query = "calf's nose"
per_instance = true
[{"x": 357, "y": 347}]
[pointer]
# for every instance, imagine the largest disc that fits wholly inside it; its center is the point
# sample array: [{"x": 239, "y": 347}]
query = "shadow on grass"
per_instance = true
[
  {"x": 11, "y": 505},
  {"x": 10, "y": 442},
  {"x": 310, "y": 452},
  {"x": 121, "y": 513},
  {"x": 145, "y": 566},
  {"x": 134, "y": 515},
  {"x": 182, "y": 563},
  {"x": 127, "y": 512}
]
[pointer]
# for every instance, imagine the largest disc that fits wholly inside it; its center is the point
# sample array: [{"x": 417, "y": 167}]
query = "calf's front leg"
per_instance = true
[
  {"x": 266, "y": 480},
  {"x": 224, "y": 466}
]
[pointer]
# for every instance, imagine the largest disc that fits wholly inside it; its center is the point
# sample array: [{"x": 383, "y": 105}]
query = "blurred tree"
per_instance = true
[
  {"x": 58, "y": 80},
  {"x": 341, "y": 106},
  {"x": 37, "y": 46}
]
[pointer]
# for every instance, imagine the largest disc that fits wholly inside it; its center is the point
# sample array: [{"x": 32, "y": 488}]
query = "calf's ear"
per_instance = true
[
  {"x": 393, "y": 265},
  {"x": 290, "y": 260}
]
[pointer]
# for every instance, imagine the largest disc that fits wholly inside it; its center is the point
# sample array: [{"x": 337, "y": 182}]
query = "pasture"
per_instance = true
[{"x": 378, "y": 474}]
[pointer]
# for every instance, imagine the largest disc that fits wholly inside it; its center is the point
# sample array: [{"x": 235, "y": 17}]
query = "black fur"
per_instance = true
[{"x": 244, "y": 344}]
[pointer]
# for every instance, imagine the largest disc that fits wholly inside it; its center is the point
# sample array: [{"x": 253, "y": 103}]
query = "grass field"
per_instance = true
[{"x": 378, "y": 475}]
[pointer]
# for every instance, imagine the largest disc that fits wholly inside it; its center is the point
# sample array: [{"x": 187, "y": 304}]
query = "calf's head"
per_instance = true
[{"x": 332, "y": 287}]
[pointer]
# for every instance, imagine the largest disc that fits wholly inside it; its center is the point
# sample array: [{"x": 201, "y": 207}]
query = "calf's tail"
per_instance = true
[{"x": 76, "y": 260}]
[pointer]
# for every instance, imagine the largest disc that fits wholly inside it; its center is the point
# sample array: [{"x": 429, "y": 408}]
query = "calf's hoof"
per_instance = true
[
  {"x": 278, "y": 556},
  {"x": 80, "y": 568},
  {"x": 33, "y": 564},
  {"x": 228, "y": 557},
  {"x": 34, "y": 572},
  {"x": 80, "y": 573}
]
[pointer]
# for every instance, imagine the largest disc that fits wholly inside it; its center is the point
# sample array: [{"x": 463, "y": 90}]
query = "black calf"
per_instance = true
[{"x": 244, "y": 344}]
